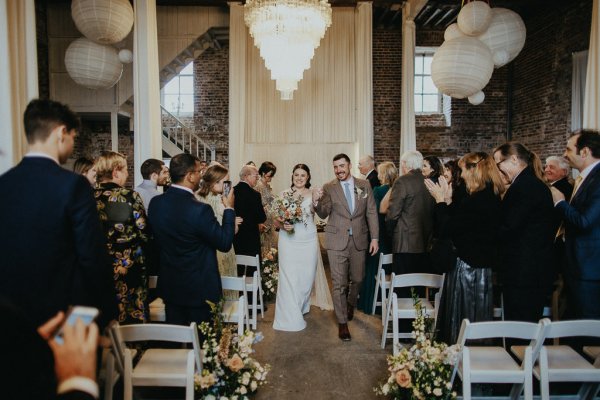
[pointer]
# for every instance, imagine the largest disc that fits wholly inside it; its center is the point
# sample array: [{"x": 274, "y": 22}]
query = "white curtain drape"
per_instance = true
[
  {"x": 19, "y": 78},
  {"x": 591, "y": 116},
  {"x": 408, "y": 135},
  {"x": 331, "y": 111},
  {"x": 580, "y": 60}
]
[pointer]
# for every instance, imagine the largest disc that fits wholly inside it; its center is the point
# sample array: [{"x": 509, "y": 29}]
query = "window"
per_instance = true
[
  {"x": 178, "y": 94},
  {"x": 428, "y": 99}
]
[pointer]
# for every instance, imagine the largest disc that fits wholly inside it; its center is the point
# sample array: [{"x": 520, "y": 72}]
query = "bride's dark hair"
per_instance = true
[{"x": 303, "y": 167}]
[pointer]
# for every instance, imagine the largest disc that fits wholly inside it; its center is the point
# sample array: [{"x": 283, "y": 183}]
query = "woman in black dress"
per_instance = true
[{"x": 472, "y": 225}]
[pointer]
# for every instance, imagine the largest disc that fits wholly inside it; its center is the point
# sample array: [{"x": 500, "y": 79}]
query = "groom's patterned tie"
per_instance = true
[{"x": 348, "y": 196}]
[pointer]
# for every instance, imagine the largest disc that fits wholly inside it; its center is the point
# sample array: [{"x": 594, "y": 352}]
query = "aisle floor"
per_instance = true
[{"x": 316, "y": 364}]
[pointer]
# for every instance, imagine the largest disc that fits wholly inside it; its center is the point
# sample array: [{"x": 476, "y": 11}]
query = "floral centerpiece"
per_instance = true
[
  {"x": 228, "y": 371},
  {"x": 269, "y": 273},
  {"x": 288, "y": 209},
  {"x": 424, "y": 371}
]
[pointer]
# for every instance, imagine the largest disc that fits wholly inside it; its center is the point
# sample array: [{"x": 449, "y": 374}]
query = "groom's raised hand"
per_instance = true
[{"x": 374, "y": 247}]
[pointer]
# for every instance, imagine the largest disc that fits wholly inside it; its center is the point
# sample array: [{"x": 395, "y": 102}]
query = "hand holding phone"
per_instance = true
[
  {"x": 226, "y": 188},
  {"x": 86, "y": 314}
]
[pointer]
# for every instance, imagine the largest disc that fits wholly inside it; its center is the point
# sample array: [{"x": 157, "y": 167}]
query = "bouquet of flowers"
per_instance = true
[
  {"x": 228, "y": 371},
  {"x": 424, "y": 371},
  {"x": 269, "y": 273},
  {"x": 288, "y": 209}
]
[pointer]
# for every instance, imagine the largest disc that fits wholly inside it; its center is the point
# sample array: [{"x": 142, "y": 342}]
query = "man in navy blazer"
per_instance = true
[
  {"x": 188, "y": 235},
  {"x": 53, "y": 249},
  {"x": 248, "y": 206},
  {"x": 582, "y": 226}
]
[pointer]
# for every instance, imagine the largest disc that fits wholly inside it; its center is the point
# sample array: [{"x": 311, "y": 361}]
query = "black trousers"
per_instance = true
[{"x": 185, "y": 315}]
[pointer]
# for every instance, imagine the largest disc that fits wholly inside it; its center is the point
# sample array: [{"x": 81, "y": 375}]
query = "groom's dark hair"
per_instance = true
[{"x": 340, "y": 156}]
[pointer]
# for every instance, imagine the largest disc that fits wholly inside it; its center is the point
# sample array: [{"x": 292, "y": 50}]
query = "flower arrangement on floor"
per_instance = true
[
  {"x": 228, "y": 371},
  {"x": 288, "y": 209},
  {"x": 424, "y": 371},
  {"x": 269, "y": 273}
]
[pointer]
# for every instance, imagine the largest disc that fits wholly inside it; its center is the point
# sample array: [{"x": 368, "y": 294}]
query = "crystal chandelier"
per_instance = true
[{"x": 287, "y": 32}]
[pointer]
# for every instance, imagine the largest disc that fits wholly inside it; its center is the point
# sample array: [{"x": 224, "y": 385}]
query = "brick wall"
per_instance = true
[
  {"x": 211, "y": 106},
  {"x": 94, "y": 138},
  {"x": 542, "y": 75}
]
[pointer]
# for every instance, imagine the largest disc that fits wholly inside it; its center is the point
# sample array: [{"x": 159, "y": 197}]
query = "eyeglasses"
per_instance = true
[{"x": 472, "y": 165}]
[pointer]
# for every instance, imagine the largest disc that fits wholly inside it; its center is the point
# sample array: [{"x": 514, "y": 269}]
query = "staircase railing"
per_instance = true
[{"x": 184, "y": 137}]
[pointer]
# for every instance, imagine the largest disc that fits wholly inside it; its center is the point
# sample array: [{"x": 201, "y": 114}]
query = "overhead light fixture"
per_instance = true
[{"x": 287, "y": 32}]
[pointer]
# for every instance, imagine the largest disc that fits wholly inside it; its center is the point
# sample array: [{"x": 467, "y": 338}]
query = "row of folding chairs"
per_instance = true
[
  {"x": 548, "y": 363},
  {"x": 241, "y": 310}
]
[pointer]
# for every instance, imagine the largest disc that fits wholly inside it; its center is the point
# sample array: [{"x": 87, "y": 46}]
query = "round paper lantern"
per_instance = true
[
  {"x": 474, "y": 18},
  {"x": 452, "y": 32},
  {"x": 505, "y": 36},
  {"x": 103, "y": 21},
  {"x": 462, "y": 67},
  {"x": 126, "y": 56},
  {"x": 93, "y": 65},
  {"x": 477, "y": 98}
]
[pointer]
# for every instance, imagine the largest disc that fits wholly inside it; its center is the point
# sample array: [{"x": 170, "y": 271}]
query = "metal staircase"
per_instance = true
[{"x": 179, "y": 138}]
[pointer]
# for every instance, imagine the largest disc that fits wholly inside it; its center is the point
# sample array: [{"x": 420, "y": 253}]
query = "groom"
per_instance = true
[{"x": 350, "y": 206}]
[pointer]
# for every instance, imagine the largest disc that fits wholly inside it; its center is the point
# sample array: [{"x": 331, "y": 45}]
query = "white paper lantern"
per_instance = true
[
  {"x": 93, "y": 65},
  {"x": 103, "y": 21},
  {"x": 125, "y": 56},
  {"x": 477, "y": 98},
  {"x": 452, "y": 32},
  {"x": 474, "y": 18},
  {"x": 505, "y": 36},
  {"x": 462, "y": 67}
]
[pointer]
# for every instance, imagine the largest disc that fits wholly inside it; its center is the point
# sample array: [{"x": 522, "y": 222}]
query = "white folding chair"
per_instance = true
[
  {"x": 493, "y": 364},
  {"x": 236, "y": 311},
  {"x": 257, "y": 291},
  {"x": 157, "y": 366},
  {"x": 592, "y": 351},
  {"x": 560, "y": 363},
  {"x": 403, "y": 308},
  {"x": 157, "y": 306},
  {"x": 382, "y": 283}
]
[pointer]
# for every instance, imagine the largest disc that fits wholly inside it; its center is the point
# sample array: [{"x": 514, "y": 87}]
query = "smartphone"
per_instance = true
[
  {"x": 226, "y": 188},
  {"x": 86, "y": 314}
]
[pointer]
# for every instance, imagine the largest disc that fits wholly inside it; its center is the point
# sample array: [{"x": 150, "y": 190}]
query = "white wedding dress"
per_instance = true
[{"x": 299, "y": 262}]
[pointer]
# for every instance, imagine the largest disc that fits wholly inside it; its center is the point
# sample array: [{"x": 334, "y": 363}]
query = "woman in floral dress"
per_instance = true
[
  {"x": 123, "y": 219},
  {"x": 210, "y": 193},
  {"x": 268, "y": 236}
]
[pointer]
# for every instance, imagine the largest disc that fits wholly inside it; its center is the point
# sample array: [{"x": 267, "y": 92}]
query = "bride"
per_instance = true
[{"x": 299, "y": 261}]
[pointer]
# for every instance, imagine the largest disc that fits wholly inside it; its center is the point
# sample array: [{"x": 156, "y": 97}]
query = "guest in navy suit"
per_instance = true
[
  {"x": 582, "y": 226},
  {"x": 366, "y": 166},
  {"x": 188, "y": 235},
  {"x": 53, "y": 250},
  {"x": 526, "y": 234}
]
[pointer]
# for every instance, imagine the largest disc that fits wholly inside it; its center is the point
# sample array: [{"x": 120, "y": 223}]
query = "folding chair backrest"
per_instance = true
[
  {"x": 159, "y": 332},
  {"x": 426, "y": 280},
  {"x": 235, "y": 283},
  {"x": 248, "y": 261},
  {"x": 498, "y": 329},
  {"x": 560, "y": 329},
  {"x": 385, "y": 259}
]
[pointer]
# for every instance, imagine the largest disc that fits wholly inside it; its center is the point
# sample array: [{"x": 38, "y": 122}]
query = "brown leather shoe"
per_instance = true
[
  {"x": 350, "y": 312},
  {"x": 344, "y": 333}
]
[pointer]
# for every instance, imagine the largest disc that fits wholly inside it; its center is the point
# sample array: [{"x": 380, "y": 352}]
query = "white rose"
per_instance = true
[
  {"x": 253, "y": 386},
  {"x": 243, "y": 390},
  {"x": 437, "y": 392},
  {"x": 385, "y": 389},
  {"x": 209, "y": 397}
]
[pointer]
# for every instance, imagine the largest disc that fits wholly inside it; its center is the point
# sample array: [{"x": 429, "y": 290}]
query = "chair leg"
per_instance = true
[
  {"x": 385, "y": 326},
  {"x": 384, "y": 295},
  {"x": 515, "y": 391},
  {"x": 377, "y": 288},
  {"x": 261, "y": 295},
  {"x": 466, "y": 385},
  {"x": 127, "y": 378},
  {"x": 189, "y": 383},
  {"x": 396, "y": 338},
  {"x": 584, "y": 391},
  {"x": 109, "y": 376}
]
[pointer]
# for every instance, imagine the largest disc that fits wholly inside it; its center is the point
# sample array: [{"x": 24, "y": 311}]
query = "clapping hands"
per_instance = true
[{"x": 441, "y": 191}]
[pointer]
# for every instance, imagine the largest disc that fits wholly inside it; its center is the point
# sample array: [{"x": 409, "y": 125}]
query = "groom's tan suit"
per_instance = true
[{"x": 347, "y": 239}]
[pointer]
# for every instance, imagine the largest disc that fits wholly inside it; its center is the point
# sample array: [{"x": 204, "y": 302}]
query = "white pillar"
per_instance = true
[
  {"x": 364, "y": 78},
  {"x": 19, "y": 78},
  {"x": 237, "y": 86},
  {"x": 408, "y": 135},
  {"x": 114, "y": 130},
  {"x": 146, "y": 87}
]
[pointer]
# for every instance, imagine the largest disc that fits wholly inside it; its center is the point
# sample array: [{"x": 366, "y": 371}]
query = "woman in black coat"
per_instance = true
[{"x": 472, "y": 226}]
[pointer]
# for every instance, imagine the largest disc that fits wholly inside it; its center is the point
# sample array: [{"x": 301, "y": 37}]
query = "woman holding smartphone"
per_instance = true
[{"x": 215, "y": 182}]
